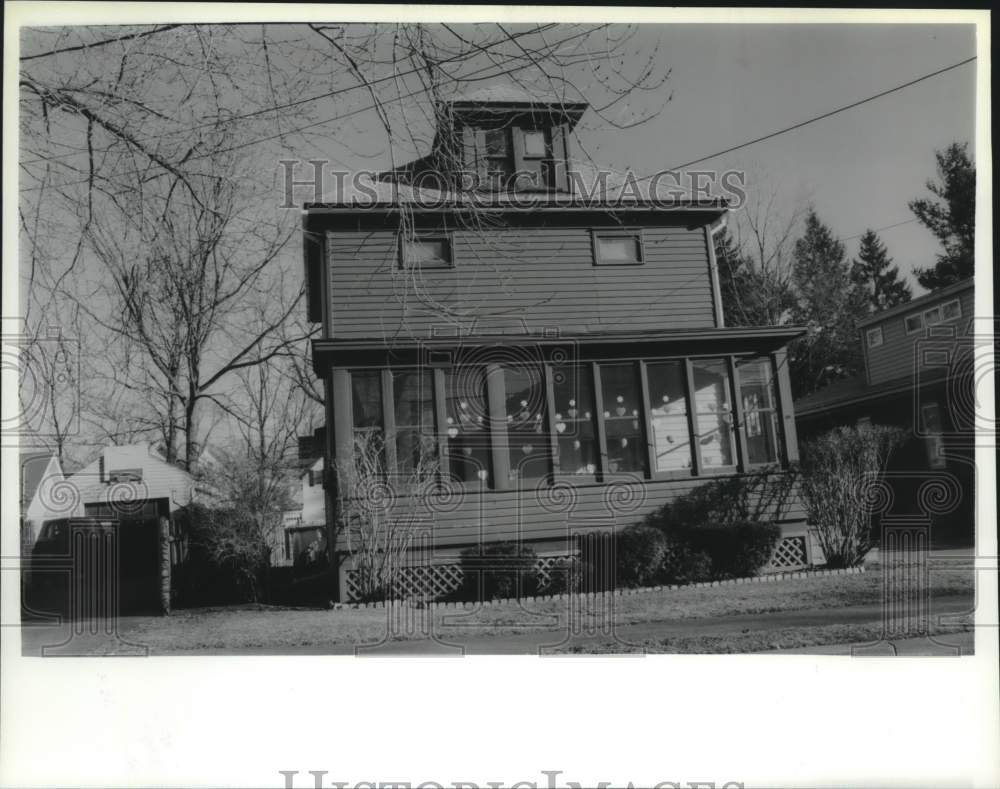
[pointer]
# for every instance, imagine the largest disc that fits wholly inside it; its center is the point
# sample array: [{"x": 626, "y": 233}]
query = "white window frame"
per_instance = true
[{"x": 872, "y": 333}]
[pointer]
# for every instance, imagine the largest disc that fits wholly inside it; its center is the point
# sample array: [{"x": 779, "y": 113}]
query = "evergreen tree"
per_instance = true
[
  {"x": 829, "y": 306},
  {"x": 951, "y": 217},
  {"x": 872, "y": 272}
]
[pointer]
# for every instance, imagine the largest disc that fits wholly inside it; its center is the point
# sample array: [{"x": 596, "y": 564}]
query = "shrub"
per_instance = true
[
  {"x": 683, "y": 564},
  {"x": 498, "y": 571},
  {"x": 566, "y": 576},
  {"x": 763, "y": 496},
  {"x": 640, "y": 551},
  {"x": 735, "y": 550},
  {"x": 228, "y": 556},
  {"x": 646, "y": 556},
  {"x": 840, "y": 481}
]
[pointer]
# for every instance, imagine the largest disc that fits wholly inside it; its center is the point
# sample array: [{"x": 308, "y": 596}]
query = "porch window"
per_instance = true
[
  {"x": 622, "y": 418},
  {"x": 527, "y": 428},
  {"x": 413, "y": 409},
  {"x": 576, "y": 422},
  {"x": 713, "y": 413},
  {"x": 467, "y": 425},
  {"x": 366, "y": 401},
  {"x": 760, "y": 416},
  {"x": 670, "y": 432}
]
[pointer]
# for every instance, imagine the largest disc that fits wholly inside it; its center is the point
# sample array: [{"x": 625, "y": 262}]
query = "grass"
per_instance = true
[
  {"x": 270, "y": 628},
  {"x": 762, "y": 640}
]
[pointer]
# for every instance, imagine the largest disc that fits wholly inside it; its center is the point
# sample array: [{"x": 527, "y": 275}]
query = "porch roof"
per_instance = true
[{"x": 327, "y": 352}]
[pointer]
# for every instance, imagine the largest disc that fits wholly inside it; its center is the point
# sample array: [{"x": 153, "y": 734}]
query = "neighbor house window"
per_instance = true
[
  {"x": 617, "y": 249},
  {"x": 622, "y": 418},
  {"x": 875, "y": 337},
  {"x": 413, "y": 409},
  {"x": 576, "y": 422},
  {"x": 943, "y": 312},
  {"x": 467, "y": 425},
  {"x": 670, "y": 432},
  {"x": 713, "y": 412},
  {"x": 758, "y": 399},
  {"x": 425, "y": 252},
  {"x": 951, "y": 310},
  {"x": 527, "y": 429}
]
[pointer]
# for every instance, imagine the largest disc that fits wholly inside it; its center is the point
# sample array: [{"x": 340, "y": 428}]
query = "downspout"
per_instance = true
[{"x": 713, "y": 267}]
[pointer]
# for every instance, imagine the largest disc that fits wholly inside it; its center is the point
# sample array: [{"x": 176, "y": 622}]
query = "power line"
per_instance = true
[
  {"x": 820, "y": 117},
  {"x": 880, "y": 229},
  {"x": 105, "y": 42}
]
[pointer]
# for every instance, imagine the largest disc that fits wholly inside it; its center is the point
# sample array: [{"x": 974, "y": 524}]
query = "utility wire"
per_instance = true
[{"x": 820, "y": 117}]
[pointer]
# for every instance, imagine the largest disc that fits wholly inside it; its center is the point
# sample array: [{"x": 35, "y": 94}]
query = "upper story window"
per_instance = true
[
  {"x": 535, "y": 158},
  {"x": 875, "y": 338},
  {"x": 499, "y": 157},
  {"x": 618, "y": 248},
  {"x": 943, "y": 312},
  {"x": 426, "y": 252}
]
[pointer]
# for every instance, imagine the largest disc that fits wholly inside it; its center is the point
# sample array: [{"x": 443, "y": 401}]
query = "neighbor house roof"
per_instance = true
[
  {"x": 917, "y": 303},
  {"x": 851, "y": 391}
]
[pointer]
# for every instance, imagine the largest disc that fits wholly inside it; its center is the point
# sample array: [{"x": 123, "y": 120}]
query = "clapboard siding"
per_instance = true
[
  {"x": 530, "y": 515},
  {"x": 540, "y": 277},
  {"x": 898, "y": 354}
]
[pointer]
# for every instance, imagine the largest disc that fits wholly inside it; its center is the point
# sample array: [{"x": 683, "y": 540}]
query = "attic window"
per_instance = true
[
  {"x": 425, "y": 252},
  {"x": 618, "y": 248},
  {"x": 535, "y": 143},
  {"x": 875, "y": 338}
]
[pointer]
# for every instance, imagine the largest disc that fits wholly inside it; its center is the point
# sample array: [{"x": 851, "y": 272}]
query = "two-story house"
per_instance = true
[
  {"x": 919, "y": 366},
  {"x": 562, "y": 359}
]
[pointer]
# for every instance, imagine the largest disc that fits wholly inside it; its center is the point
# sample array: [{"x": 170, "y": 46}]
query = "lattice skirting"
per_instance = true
[
  {"x": 434, "y": 581},
  {"x": 789, "y": 554}
]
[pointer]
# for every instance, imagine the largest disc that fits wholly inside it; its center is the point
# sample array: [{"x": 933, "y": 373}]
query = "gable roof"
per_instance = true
[{"x": 919, "y": 302}]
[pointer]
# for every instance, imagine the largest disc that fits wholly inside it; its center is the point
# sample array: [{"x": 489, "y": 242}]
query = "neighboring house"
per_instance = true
[
  {"x": 567, "y": 367},
  {"x": 919, "y": 361},
  {"x": 132, "y": 481},
  {"x": 304, "y": 528},
  {"x": 44, "y": 496}
]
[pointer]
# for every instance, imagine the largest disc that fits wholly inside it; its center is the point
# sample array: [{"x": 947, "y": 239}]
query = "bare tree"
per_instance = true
[
  {"x": 755, "y": 263},
  {"x": 378, "y": 510}
]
